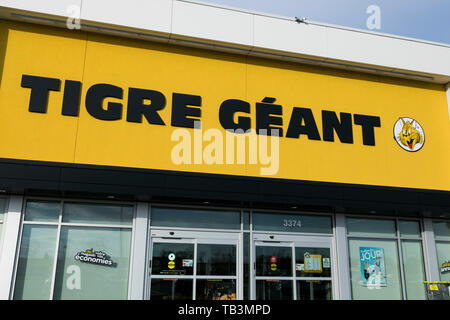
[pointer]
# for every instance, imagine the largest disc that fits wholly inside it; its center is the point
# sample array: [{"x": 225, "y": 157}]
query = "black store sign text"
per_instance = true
[{"x": 186, "y": 109}]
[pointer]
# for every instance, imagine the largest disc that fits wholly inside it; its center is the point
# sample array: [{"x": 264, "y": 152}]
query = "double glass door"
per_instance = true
[
  {"x": 194, "y": 266},
  {"x": 292, "y": 268}
]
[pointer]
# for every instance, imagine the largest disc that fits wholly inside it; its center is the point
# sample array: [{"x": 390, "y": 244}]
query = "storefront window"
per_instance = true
[
  {"x": 98, "y": 214},
  {"x": 216, "y": 259},
  {"x": 246, "y": 220},
  {"x": 183, "y": 252},
  {"x": 195, "y": 218},
  {"x": 36, "y": 260},
  {"x": 264, "y": 265},
  {"x": 409, "y": 228},
  {"x": 274, "y": 290},
  {"x": 443, "y": 253},
  {"x": 216, "y": 289},
  {"x": 441, "y": 230},
  {"x": 314, "y": 290},
  {"x": 292, "y": 223},
  {"x": 375, "y": 248},
  {"x": 414, "y": 269},
  {"x": 2, "y": 215},
  {"x": 42, "y": 211},
  {"x": 375, "y": 269},
  {"x": 300, "y": 254},
  {"x": 105, "y": 279},
  {"x": 370, "y": 227},
  {"x": 442, "y": 236},
  {"x": 171, "y": 289},
  {"x": 92, "y": 258},
  {"x": 413, "y": 263}
]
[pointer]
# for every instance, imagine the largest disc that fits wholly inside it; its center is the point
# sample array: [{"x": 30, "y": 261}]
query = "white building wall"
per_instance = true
[{"x": 196, "y": 23}]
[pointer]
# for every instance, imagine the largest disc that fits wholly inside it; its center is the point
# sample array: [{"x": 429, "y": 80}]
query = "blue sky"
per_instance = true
[{"x": 422, "y": 19}]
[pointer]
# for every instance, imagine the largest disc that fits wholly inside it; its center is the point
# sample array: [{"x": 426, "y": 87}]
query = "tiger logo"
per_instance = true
[{"x": 409, "y": 134}]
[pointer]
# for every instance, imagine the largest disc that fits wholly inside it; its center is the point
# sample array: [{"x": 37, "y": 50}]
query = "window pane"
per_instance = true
[
  {"x": 93, "y": 263},
  {"x": 409, "y": 228},
  {"x": 216, "y": 289},
  {"x": 292, "y": 223},
  {"x": 273, "y": 261},
  {"x": 173, "y": 258},
  {"x": 443, "y": 253},
  {"x": 414, "y": 270},
  {"x": 171, "y": 289},
  {"x": 246, "y": 220},
  {"x": 319, "y": 256},
  {"x": 44, "y": 211},
  {"x": 193, "y": 218},
  {"x": 216, "y": 259},
  {"x": 441, "y": 230},
  {"x": 314, "y": 290},
  {"x": 370, "y": 227},
  {"x": 374, "y": 269},
  {"x": 2, "y": 208},
  {"x": 274, "y": 290},
  {"x": 36, "y": 260},
  {"x": 98, "y": 213}
]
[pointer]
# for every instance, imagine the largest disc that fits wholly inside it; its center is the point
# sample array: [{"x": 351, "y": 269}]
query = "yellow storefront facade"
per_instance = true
[{"x": 181, "y": 172}]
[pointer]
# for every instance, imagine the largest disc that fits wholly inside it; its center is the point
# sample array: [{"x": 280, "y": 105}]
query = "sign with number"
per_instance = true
[{"x": 292, "y": 223}]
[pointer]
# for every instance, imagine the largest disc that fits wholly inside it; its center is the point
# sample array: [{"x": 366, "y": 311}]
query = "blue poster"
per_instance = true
[{"x": 373, "y": 272}]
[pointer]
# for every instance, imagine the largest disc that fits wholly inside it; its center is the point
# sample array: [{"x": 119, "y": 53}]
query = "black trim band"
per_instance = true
[{"x": 65, "y": 179}]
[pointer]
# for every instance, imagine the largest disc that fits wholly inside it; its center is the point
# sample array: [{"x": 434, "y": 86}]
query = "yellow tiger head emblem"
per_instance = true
[{"x": 409, "y": 136}]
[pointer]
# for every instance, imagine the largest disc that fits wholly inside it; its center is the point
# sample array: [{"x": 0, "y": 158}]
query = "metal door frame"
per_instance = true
[
  {"x": 195, "y": 238},
  {"x": 292, "y": 241}
]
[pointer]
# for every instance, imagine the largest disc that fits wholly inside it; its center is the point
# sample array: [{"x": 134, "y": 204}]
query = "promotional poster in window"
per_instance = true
[{"x": 373, "y": 272}]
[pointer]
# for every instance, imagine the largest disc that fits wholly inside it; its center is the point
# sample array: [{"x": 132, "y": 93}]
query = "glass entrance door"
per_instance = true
[
  {"x": 198, "y": 266},
  {"x": 292, "y": 268}
]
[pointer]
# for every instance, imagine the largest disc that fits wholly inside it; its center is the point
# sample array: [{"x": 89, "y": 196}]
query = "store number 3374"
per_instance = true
[{"x": 292, "y": 223}]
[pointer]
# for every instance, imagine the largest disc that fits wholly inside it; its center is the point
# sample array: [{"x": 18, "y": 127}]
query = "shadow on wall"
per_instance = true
[
  {"x": 261, "y": 61},
  {"x": 4, "y": 30}
]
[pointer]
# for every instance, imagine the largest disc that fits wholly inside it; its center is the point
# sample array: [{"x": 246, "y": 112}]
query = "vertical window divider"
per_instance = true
[
  {"x": 400, "y": 253},
  {"x": 194, "y": 273},
  {"x": 240, "y": 262},
  {"x": 149, "y": 258},
  {"x": 424, "y": 250},
  {"x": 19, "y": 246},
  {"x": 55, "y": 262},
  {"x": 252, "y": 273},
  {"x": 294, "y": 273},
  {"x": 2, "y": 221}
]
